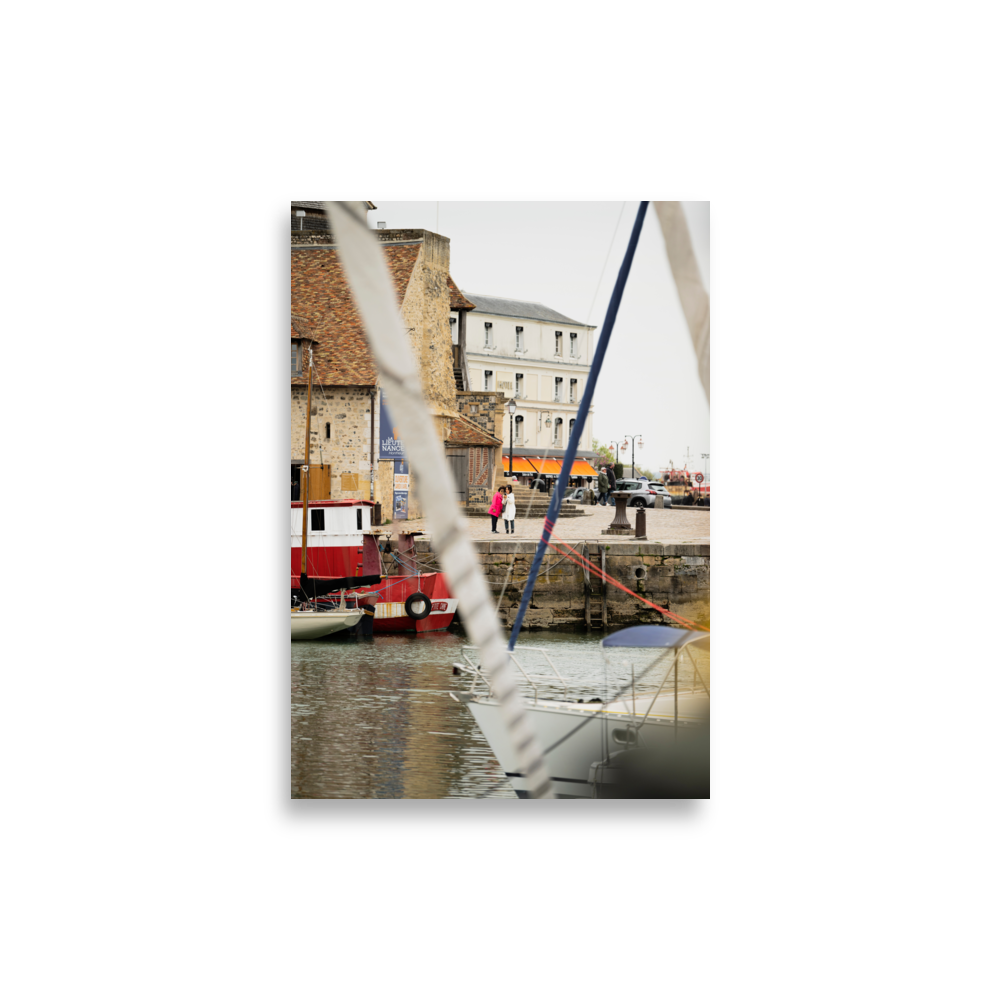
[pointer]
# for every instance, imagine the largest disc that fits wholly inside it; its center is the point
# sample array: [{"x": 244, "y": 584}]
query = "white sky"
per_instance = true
[{"x": 553, "y": 253}]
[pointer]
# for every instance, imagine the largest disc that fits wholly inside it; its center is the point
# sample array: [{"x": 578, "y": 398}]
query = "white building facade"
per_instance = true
[{"x": 538, "y": 357}]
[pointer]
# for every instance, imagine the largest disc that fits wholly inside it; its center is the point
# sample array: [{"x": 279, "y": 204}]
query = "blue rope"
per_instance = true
[{"x": 581, "y": 418}]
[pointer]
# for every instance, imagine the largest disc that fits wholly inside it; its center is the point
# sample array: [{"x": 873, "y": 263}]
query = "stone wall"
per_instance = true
[
  {"x": 321, "y": 237},
  {"x": 486, "y": 411},
  {"x": 426, "y": 308},
  {"x": 676, "y": 577},
  {"x": 347, "y": 409}
]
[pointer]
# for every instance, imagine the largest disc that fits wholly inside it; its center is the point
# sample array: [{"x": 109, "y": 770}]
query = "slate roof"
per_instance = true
[
  {"x": 496, "y": 306},
  {"x": 458, "y": 300},
  {"x": 319, "y": 204},
  {"x": 322, "y": 297}
]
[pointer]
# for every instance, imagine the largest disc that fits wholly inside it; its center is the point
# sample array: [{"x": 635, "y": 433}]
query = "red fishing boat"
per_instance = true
[{"x": 345, "y": 561}]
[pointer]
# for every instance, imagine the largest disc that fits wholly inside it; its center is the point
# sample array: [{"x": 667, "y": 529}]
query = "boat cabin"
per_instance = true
[
  {"x": 340, "y": 550},
  {"x": 331, "y": 518}
]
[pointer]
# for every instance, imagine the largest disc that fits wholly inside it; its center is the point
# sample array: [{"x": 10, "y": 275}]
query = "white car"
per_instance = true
[{"x": 644, "y": 493}]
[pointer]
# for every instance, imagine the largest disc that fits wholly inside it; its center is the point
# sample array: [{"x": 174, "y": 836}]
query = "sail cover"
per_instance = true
[{"x": 366, "y": 270}]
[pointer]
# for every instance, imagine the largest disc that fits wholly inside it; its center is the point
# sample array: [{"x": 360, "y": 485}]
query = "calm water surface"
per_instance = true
[{"x": 372, "y": 718}]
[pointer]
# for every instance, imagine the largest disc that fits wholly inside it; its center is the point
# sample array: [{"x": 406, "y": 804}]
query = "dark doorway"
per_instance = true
[{"x": 458, "y": 460}]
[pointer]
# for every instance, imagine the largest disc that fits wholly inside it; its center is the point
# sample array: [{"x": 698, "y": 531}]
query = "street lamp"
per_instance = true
[
  {"x": 705, "y": 455},
  {"x": 511, "y": 409},
  {"x": 615, "y": 445},
  {"x": 632, "y": 437}
]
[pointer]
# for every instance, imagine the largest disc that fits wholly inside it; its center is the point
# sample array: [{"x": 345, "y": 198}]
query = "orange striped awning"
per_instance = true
[
  {"x": 520, "y": 465},
  {"x": 582, "y": 468}
]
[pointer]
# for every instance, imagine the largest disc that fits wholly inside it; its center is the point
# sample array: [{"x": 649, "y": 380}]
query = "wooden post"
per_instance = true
[
  {"x": 604, "y": 590},
  {"x": 305, "y": 468},
  {"x": 586, "y": 585}
]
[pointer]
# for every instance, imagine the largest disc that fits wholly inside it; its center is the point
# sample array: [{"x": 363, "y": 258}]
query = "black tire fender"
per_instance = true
[
  {"x": 637, "y": 502},
  {"x": 418, "y": 598}
]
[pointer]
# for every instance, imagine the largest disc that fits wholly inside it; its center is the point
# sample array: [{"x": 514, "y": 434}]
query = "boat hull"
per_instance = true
[
  {"x": 390, "y": 603},
  {"x": 572, "y": 747},
  {"x": 316, "y": 624}
]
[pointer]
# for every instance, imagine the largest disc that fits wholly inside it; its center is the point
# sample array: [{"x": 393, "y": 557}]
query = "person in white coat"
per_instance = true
[{"x": 509, "y": 511}]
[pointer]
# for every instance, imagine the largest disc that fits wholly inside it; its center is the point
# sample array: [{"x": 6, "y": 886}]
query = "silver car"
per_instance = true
[{"x": 644, "y": 493}]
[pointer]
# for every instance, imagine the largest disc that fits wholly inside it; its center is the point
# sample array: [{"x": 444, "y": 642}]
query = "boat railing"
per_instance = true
[
  {"x": 532, "y": 680},
  {"x": 582, "y": 691}
]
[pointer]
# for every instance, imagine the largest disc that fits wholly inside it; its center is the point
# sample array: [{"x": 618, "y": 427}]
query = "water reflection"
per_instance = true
[{"x": 371, "y": 718}]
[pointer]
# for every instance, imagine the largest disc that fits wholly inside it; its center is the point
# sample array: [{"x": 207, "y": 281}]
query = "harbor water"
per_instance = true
[{"x": 372, "y": 718}]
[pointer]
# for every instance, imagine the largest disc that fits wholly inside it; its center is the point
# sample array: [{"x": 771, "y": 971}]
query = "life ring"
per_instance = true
[{"x": 418, "y": 599}]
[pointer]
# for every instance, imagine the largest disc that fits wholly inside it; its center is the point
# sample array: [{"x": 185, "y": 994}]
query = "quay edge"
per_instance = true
[{"x": 675, "y": 576}]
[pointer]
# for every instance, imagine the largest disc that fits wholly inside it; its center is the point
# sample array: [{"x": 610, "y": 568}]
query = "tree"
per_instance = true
[{"x": 605, "y": 455}]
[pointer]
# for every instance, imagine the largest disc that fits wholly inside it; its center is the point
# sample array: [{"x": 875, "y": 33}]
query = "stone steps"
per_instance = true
[{"x": 539, "y": 510}]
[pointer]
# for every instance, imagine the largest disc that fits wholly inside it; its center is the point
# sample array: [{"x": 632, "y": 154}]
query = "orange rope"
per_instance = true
[{"x": 569, "y": 553}]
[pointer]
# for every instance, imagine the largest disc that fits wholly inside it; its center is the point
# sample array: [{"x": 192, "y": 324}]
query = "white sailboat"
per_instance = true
[
  {"x": 308, "y": 623},
  {"x": 589, "y": 745}
]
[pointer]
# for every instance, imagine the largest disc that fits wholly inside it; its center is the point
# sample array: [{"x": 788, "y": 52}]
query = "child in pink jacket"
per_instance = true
[{"x": 495, "y": 508}]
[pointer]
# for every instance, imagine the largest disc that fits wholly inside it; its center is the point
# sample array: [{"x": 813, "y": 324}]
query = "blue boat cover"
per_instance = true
[{"x": 654, "y": 637}]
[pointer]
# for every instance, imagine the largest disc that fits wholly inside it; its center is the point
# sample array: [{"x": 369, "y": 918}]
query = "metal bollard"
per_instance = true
[{"x": 640, "y": 523}]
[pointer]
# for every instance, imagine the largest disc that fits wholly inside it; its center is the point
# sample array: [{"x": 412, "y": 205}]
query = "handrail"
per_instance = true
[{"x": 533, "y": 680}]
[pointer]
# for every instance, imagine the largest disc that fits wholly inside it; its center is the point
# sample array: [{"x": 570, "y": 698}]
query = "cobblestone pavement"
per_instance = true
[{"x": 668, "y": 526}]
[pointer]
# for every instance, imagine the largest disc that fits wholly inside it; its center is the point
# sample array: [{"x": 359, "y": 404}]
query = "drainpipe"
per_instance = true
[{"x": 371, "y": 452}]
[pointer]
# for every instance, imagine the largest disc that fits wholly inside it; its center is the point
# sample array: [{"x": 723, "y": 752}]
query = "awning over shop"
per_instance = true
[
  {"x": 582, "y": 468},
  {"x": 520, "y": 465},
  {"x": 547, "y": 466}
]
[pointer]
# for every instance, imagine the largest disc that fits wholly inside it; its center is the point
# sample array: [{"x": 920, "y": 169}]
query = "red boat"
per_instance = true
[{"x": 344, "y": 559}]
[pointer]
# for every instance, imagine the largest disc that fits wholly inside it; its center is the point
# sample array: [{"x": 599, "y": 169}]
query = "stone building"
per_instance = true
[
  {"x": 345, "y": 434},
  {"x": 535, "y": 355}
]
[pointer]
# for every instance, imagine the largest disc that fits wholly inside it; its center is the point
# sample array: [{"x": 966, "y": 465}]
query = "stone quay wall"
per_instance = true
[{"x": 676, "y": 577}]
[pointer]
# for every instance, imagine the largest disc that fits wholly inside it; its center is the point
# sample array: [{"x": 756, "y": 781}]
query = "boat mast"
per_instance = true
[{"x": 305, "y": 475}]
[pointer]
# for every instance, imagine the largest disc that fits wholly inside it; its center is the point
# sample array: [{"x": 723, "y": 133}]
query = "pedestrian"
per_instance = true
[
  {"x": 509, "y": 511},
  {"x": 602, "y": 487},
  {"x": 496, "y": 507},
  {"x": 612, "y": 481}
]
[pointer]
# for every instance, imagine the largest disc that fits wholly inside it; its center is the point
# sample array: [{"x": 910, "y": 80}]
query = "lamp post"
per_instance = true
[
  {"x": 511, "y": 409},
  {"x": 615, "y": 445},
  {"x": 632, "y": 437},
  {"x": 705, "y": 455}
]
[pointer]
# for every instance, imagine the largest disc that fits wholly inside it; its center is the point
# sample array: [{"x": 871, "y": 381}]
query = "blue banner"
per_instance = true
[
  {"x": 400, "y": 489},
  {"x": 389, "y": 444}
]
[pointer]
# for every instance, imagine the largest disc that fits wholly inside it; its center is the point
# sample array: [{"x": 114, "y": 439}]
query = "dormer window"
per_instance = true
[
  {"x": 574, "y": 351},
  {"x": 557, "y": 393},
  {"x": 489, "y": 334},
  {"x": 558, "y": 343},
  {"x": 518, "y": 338},
  {"x": 572, "y": 390},
  {"x": 296, "y": 359},
  {"x": 488, "y": 381}
]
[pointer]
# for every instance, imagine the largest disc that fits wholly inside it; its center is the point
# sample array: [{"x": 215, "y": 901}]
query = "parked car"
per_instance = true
[
  {"x": 578, "y": 494},
  {"x": 644, "y": 492}
]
